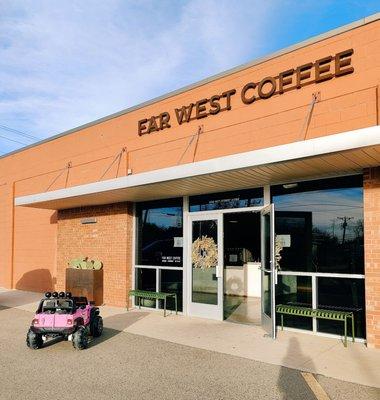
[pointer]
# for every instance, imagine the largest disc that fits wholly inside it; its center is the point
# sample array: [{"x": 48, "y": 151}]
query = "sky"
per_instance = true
[
  {"x": 327, "y": 206},
  {"x": 66, "y": 63}
]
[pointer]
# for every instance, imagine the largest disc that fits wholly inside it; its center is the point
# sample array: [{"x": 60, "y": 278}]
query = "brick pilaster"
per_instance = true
[
  {"x": 109, "y": 240},
  {"x": 372, "y": 254}
]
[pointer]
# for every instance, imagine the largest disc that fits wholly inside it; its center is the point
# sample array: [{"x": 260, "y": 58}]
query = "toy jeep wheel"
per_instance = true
[
  {"x": 33, "y": 340},
  {"x": 80, "y": 338},
  {"x": 96, "y": 327}
]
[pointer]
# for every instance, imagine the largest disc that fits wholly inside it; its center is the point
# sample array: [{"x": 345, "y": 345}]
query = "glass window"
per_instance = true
[
  {"x": 241, "y": 238},
  {"x": 235, "y": 199},
  {"x": 267, "y": 291},
  {"x": 297, "y": 291},
  {"x": 159, "y": 234},
  {"x": 146, "y": 280},
  {"x": 342, "y": 294},
  {"x": 297, "y": 226},
  {"x": 204, "y": 259},
  {"x": 321, "y": 225},
  {"x": 267, "y": 276},
  {"x": 171, "y": 282}
]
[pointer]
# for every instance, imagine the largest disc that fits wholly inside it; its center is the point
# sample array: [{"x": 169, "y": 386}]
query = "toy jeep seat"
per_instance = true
[
  {"x": 64, "y": 306},
  {"x": 80, "y": 301}
]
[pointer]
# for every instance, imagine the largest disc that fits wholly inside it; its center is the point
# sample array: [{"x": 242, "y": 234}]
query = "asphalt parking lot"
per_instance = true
[{"x": 122, "y": 365}]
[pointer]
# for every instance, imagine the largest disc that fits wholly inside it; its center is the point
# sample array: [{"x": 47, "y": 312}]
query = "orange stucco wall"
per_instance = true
[{"x": 28, "y": 236}]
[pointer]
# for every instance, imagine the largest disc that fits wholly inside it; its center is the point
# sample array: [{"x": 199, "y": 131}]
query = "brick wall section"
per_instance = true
[
  {"x": 108, "y": 240},
  {"x": 372, "y": 254}
]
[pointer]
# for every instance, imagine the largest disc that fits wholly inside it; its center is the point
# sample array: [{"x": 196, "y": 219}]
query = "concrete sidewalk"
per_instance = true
[{"x": 318, "y": 355}]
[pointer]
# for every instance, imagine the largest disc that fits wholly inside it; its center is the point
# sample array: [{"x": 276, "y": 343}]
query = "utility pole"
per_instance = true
[
  {"x": 344, "y": 226},
  {"x": 333, "y": 227},
  {"x": 145, "y": 219}
]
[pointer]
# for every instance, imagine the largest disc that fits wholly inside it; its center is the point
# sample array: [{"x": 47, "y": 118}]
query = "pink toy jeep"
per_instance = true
[{"x": 61, "y": 315}]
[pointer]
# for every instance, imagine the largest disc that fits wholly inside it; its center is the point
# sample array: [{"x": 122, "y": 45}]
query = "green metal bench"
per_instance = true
[
  {"x": 318, "y": 313},
  {"x": 146, "y": 294}
]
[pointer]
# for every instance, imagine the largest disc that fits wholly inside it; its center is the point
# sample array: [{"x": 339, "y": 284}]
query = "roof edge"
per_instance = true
[
  {"x": 314, "y": 39},
  {"x": 339, "y": 142}
]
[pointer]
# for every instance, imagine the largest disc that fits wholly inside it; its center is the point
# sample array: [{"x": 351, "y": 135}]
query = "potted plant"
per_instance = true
[{"x": 84, "y": 277}]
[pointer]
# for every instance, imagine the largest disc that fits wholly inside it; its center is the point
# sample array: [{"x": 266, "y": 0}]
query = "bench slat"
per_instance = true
[
  {"x": 310, "y": 312},
  {"x": 147, "y": 294},
  {"x": 318, "y": 313},
  {"x": 150, "y": 295}
]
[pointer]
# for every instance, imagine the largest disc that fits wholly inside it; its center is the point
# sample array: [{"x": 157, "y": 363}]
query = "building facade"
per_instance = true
[{"x": 255, "y": 187}]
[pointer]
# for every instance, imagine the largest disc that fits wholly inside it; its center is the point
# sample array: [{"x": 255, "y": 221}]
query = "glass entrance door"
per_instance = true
[
  {"x": 268, "y": 271},
  {"x": 206, "y": 266}
]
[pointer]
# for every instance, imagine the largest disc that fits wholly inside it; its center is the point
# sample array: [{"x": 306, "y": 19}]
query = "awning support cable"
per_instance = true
[
  {"x": 117, "y": 158},
  {"x": 195, "y": 136},
  {"x": 200, "y": 130},
  {"x": 315, "y": 97},
  {"x": 67, "y": 168}
]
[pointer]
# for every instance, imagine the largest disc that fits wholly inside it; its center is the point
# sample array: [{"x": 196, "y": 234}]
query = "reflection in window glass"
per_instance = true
[
  {"x": 342, "y": 294},
  {"x": 241, "y": 238},
  {"x": 235, "y": 199},
  {"x": 296, "y": 291},
  {"x": 160, "y": 233},
  {"x": 171, "y": 282},
  {"x": 204, "y": 259},
  {"x": 296, "y": 228},
  {"x": 321, "y": 223},
  {"x": 267, "y": 290},
  {"x": 267, "y": 277},
  {"x": 146, "y": 280}
]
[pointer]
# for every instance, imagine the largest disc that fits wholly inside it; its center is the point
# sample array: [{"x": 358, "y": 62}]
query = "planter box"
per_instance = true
[{"x": 85, "y": 282}]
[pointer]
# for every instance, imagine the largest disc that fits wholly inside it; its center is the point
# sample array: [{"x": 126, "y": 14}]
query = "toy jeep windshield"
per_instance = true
[
  {"x": 65, "y": 316},
  {"x": 59, "y": 306}
]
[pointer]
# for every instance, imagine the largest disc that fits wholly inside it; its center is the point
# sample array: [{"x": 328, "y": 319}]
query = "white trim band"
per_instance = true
[{"x": 356, "y": 139}]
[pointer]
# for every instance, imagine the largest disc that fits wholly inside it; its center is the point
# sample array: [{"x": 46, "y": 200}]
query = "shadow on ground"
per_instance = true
[
  {"x": 18, "y": 298},
  {"x": 116, "y": 324},
  {"x": 291, "y": 383}
]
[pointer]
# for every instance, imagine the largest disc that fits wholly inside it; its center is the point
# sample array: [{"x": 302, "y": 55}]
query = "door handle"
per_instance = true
[{"x": 218, "y": 271}]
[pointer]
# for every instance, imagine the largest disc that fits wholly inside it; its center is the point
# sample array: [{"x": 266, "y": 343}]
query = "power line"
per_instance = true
[
  {"x": 21, "y": 133},
  {"x": 12, "y": 140}
]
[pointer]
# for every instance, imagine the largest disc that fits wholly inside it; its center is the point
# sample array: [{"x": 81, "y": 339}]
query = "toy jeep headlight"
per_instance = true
[
  {"x": 69, "y": 321},
  {"x": 35, "y": 321}
]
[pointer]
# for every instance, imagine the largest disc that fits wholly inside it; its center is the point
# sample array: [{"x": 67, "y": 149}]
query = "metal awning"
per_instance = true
[{"x": 339, "y": 154}]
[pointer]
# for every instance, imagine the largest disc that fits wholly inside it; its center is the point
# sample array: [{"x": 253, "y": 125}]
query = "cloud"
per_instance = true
[{"x": 63, "y": 64}]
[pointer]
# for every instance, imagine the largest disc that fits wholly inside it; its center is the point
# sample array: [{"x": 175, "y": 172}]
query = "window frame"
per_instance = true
[
  {"x": 321, "y": 185},
  {"x": 186, "y": 212},
  {"x": 157, "y": 268},
  {"x": 245, "y": 190},
  {"x": 136, "y": 230},
  {"x": 314, "y": 293}
]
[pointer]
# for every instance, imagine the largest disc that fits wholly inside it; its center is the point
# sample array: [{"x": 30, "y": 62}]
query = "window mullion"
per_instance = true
[{"x": 314, "y": 299}]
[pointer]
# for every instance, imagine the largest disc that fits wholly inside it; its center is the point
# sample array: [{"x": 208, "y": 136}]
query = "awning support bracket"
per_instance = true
[
  {"x": 195, "y": 136},
  {"x": 67, "y": 169},
  {"x": 117, "y": 158},
  {"x": 315, "y": 98}
]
